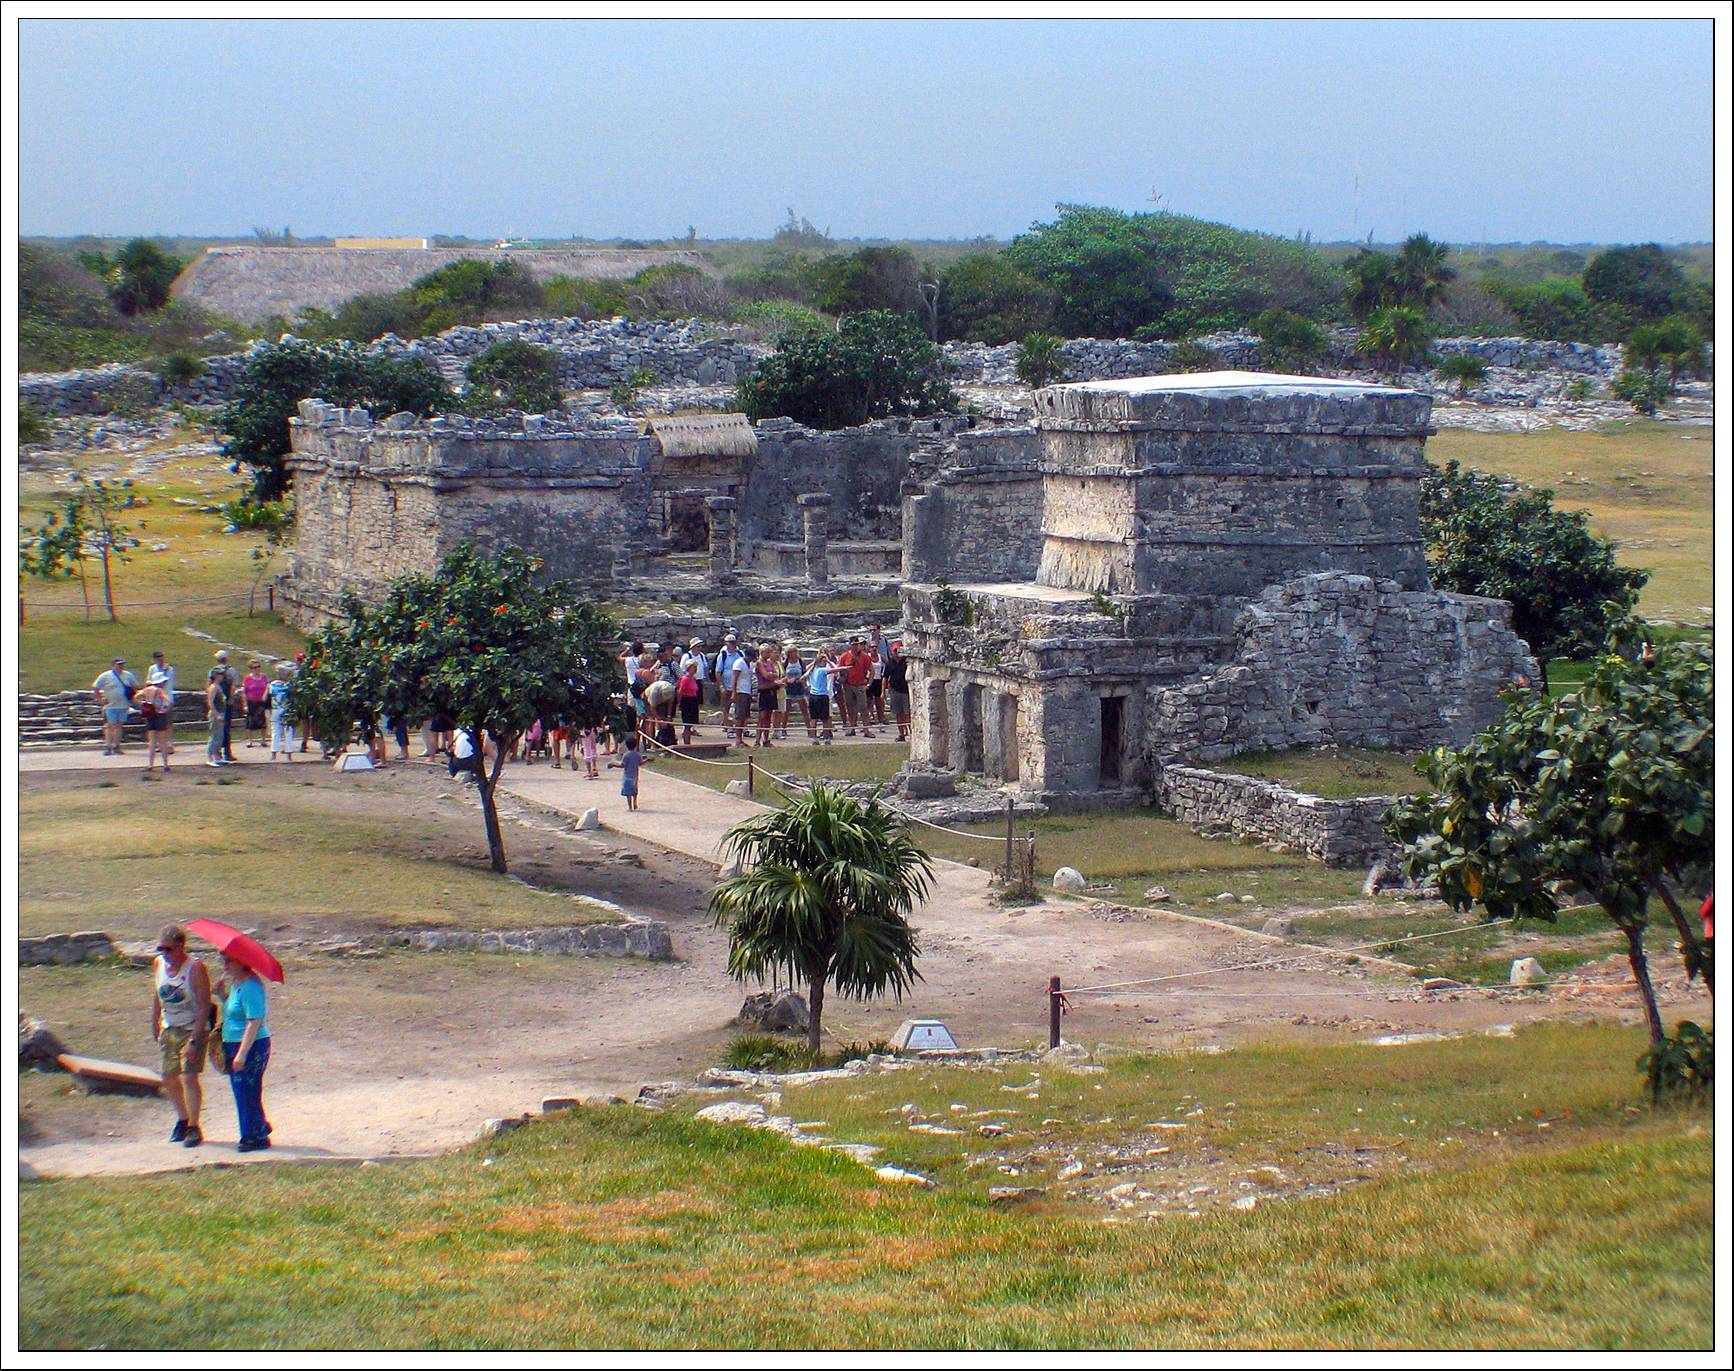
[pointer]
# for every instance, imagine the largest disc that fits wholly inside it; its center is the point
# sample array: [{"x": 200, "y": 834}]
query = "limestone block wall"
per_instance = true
[
  {"x": 1337, "y": 832},
  {"x": 1340, "y": 658},
  {"x": 973, "y": 511}
]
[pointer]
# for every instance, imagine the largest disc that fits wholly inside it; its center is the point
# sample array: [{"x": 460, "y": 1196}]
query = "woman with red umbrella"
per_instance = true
[{"x": 246, "y": 1029}]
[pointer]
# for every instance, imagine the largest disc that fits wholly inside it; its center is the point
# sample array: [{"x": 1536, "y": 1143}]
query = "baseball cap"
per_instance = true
[
  {"x": 221, "y": 656},
  {"x": 731, "y": 638},
  {"x": 120, "y": 661}
]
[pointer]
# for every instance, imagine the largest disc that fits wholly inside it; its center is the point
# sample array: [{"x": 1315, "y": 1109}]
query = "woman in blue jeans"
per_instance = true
[{"x": 246, "y": 1051}]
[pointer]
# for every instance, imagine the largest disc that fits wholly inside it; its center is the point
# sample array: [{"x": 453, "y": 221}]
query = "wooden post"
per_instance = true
[
  {"x": 749, "y": 775},
  {"x": 271, "y": 599},
  {"x": 1010, "y": 838},
  {"x": 1053, "y": 1012}
]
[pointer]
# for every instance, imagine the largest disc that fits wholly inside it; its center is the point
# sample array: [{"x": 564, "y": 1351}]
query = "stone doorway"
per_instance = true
[
  {"x": 685, "y": 525},
  {"x": 971, "y": 741},
  {"x": 1111, "y": 768},
  {"x": 1008, "y": 736}
]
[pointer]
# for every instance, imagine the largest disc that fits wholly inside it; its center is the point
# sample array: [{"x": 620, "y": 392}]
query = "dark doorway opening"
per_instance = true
[
  {"x": 1113, "y": 736},
  {"x": 684, "y": 522}
]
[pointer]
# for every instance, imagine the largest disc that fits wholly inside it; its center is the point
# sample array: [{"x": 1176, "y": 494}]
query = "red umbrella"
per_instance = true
[{"x": 231, "y": 942}]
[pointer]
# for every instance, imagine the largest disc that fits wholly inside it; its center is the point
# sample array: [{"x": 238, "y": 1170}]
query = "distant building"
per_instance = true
[{"x": 418, "y": 244}]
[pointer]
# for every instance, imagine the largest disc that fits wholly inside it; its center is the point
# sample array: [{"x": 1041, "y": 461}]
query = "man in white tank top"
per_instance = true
[{"x": 180, "y": 1022}]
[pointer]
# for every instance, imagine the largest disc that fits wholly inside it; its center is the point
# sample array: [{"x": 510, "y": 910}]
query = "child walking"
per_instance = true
[
  {"x": 630, "y": 761},
  {"x": 589, "y": 745}
]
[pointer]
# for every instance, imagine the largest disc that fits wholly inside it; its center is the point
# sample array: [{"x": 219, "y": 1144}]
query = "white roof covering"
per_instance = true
[{"x": 1235, "y": 382}]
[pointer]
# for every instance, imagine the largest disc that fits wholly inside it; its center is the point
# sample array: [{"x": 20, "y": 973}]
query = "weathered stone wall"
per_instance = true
[
  {"x": 1344, "y": 659},
  {"x": 96, "y": 390},
  {"x": 1336, "y": 832},
  {"x": 374, "y": 501},
  {"x": 972, "y": 509}
]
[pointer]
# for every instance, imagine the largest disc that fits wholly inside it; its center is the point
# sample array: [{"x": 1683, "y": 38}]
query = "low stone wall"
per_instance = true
[
  {"x": 66, "y": 949},
  {"x": 98, "y": 390},
  {"x": 1345, "y": 833},
  {"x": 73, "y": 716},
  {"x": 639, "y": 938},
  {"x": 805, "y": 629}
]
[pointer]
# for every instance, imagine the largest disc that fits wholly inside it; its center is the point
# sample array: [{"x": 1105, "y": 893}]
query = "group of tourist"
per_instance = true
[
  {"x": 257, "y": 701},
  {"x": 863, "y": 685},
  {"x": 225, "y": 1024}
]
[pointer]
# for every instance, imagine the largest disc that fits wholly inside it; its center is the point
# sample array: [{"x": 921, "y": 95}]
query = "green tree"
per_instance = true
[
  {"x": 1608, "y": 790},
  {"x": 472, "y": 291},
  {"x": 56, "y": 549},
  {"x": 1642, "y": 282},
  {"x": 1564, "y": 584},
  {"x": 513, "y": 374},
  {"x": 1372, "y": 282},
  {"x": 985, "y": 299},
  {"x": 1289, "y": 342},
  {"x": 141, "y": 276},
  {"x": 1644, "y": 391},
  {"x": 1419, "y": 274},
  {"x": 824, "y": 894},
  {"x": 873, "y": 278},
  {"x": 482, "y": 639},
  {"x": 1099, "y": 264},
  {"x": 1672, "y": 349},
  {"x": 1465, "y": 368},
  {"x": 278, "y": 377},
  {"x": 674, "y": 290},
  {"x": 1040, "y": 361},
  {"x": 875, "y": 365},
  {"x": 1398, "y": 336}
]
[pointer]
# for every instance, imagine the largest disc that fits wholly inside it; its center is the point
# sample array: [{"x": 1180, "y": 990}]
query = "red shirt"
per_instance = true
[{"x": 855, "y": 666}]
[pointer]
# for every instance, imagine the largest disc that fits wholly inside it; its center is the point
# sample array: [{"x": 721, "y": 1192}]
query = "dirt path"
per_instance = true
[{"x": 409, "y": 1053}]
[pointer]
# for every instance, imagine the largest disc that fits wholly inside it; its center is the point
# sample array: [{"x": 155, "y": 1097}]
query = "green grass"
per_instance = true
[
  {"x": 1337, "y": 773},
  {"x": 200, "y": 584},
  {"x": 180, "y": 848},
  {"x": 1647, "y": 485},
  {"x": 1474, "y": 1226}
]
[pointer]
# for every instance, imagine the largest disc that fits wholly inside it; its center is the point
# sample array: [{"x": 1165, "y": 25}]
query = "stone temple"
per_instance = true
[{"x": 1181, "y": 568}]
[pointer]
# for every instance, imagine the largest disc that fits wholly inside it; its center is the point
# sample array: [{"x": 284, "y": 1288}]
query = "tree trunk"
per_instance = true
[
  {"x": 1641, "y": 973},
  {"x": 1541, "y": 665},
  {"x": 485, "y": 783},
  {"x": 815, "y": 1007},
  {"x": 1696, "y": 961},
  {"x": 108, "y": 587},
  {"x": 84, "y": 586}
]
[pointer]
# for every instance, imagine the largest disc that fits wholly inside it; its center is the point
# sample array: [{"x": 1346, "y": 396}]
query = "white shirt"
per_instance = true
[
  {"x": 113, "y": 685},
  {"x": 463, "y": 746},
  {"x": 163, "y": 676},
  {"x": 703, "y": 666}
]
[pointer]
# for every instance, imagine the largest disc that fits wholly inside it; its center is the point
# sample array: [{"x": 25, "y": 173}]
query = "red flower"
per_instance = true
[{"x": 501, "y": 609}]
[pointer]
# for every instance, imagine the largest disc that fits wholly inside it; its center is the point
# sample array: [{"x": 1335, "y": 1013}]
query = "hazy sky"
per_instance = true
[{"x": 1470, "y": 130}]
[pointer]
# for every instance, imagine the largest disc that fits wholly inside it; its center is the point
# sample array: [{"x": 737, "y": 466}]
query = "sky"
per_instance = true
[{"x": 1471, "y": 130}]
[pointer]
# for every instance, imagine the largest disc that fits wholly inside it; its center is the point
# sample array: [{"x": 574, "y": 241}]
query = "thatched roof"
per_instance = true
[{"x": 703, "y": 435}]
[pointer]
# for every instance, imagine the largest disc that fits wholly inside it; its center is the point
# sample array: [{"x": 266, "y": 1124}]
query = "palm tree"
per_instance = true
[
  {"x": 823, "y": 894},
  {"x": 1465, "y": 369},
  {"x": 1397, "y": 335},
  {"x": 1420, "y": 272}
]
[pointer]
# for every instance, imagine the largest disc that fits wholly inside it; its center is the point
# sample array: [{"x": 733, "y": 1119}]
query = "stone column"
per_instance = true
[
  {"x": 722, "y": 538},
  {"x": 816, "y": 536}
]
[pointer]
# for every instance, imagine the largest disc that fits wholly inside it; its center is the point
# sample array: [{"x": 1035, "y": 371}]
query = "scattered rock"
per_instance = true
[
  {"x": 1379, "y": 877},
  {"x": 899, "y": 1175},
  {"x": 493, "y": 1128},
  {"x": 1279, "y": 927},
  {"x": 1013, "y": 1194},
  {"x": 1158, "y": 894},
  {"x": 1223, "y": 897},
  {"x": 65, "y": 949},
  {"x": 738, "y": 789},
  {"x": 990, "y": 1130},
  {"x": 1249, "y": 899},
  {"x": 1072, "y": 1170},
  {"x": 589, "y": 821},
  {"x": 1069, "y": 878},
  {"x": 774, "y": 1012},
  {"x": 37, "y": 1045},
  {"x": 1441, "y": 983},
  {"x": 655, "y": 1096},
  {"x": 1066, "y": 1052},
  {"x": 733, "y": 1111},
  {"x": 1527, "y": 971}
]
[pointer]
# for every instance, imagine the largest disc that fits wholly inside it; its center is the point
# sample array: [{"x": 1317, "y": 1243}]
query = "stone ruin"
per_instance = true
[
  {"x": 1155, "y": 571},
  {"x": 1183, "y": 568}
]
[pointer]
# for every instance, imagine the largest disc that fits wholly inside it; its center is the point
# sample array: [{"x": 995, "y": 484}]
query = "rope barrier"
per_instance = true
[
  {"x": 902, "y": 814},
  {"x": 1284, "y": 961},
  {"x": 40, "y": 607},
  {"x": 681, "y": 756},
  {"x": 1380, "y": 994}
]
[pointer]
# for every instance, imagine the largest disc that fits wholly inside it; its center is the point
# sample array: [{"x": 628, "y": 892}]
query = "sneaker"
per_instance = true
[
  {"x": 195, "y": 1136},
  {"x": 252, "y": 1144},
  {"x": 211, "y": 762},
  {"x": 179, "y": 1132}
]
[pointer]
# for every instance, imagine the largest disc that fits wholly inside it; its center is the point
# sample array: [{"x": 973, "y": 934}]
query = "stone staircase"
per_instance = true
[{"x": 71, "y": 718}]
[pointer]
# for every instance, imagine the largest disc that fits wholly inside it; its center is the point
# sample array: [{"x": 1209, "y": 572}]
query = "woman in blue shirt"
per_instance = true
[{"x": 246, "y": 1051}]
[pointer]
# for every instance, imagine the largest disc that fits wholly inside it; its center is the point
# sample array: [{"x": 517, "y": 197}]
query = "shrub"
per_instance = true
[
  {"x": 1673, "y": 348},
  {"x": 1643, "y": 282},
  {"x": 771, "y": 319},
  {"x": 674, "y": 290},
  {"x": 1398, "y": 336},
  {"x": 1580, "y": 389},
  {"x": 1644, "y": 391},
  {"x": 1464, "y": 368},
  {"x": 513, "y": 374},
  {"x": 984, "y": 298},
  {"x": 33, "y": 424},
  {"x": 1683, "y": 1065},
  {"x": 873, "y": 366},
  {"x": 180, "y": 367},
  {"x": 1040, "y": 362},
  {"x": 1289, "y": 342},
  {"x": 763, "y": 1052},
  {"x": 873, "y": 278},
  {"x": 623, "y": 394},
  {"x": 571, "y": 297}
]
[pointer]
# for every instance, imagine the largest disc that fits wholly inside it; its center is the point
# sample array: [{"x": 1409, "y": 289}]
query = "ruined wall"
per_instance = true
[
  {"x": 972, "y": 510},
  {"x": 378, "y": 500},
  {"x": 1339, "y": 658},
  {"x": 1216, "y": 803}
]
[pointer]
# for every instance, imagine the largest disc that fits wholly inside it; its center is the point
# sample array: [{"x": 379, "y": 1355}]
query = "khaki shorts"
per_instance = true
[{"x": 183, "y": 1054}]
